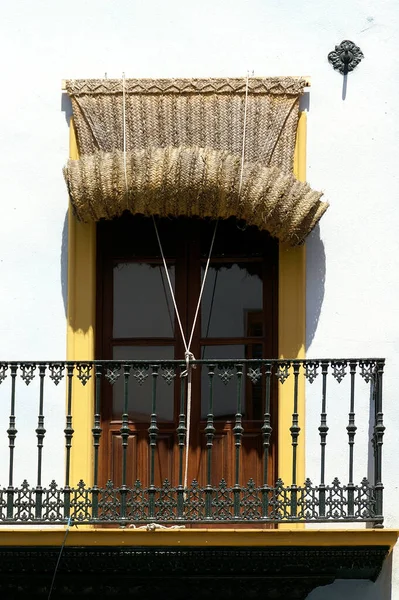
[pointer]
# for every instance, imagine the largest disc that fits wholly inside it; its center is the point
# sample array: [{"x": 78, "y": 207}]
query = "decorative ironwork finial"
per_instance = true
[{"x": 345, "y": 57}]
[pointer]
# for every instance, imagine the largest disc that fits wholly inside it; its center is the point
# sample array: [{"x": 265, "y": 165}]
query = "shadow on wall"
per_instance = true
[
  {"x": 66, "y": 108},
  {"x": 315, "y": 281},
  {"x": 358, "y": 589},
  {"x": 64, "y": 264},
  {"x": 81, "y": 320}
]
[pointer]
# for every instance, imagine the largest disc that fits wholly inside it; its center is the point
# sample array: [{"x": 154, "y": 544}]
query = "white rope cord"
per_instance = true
[
  {"x": 244, "y": 132},
  {"x": 188, "y": 427},
  {"x": 124, "y": 129},
  {"x": 203, "y": 285},
  {"x": 172, "y": 293},
  {"x": 155, "y": 526},
  {"x": 188, "y": 355}
]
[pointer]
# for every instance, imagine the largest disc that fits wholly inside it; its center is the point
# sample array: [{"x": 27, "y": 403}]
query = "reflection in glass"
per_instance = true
[
  {"x": 140, "y": 395},
  {"x": 232, "y": 292},
  {"x": 142, "y": 302}
]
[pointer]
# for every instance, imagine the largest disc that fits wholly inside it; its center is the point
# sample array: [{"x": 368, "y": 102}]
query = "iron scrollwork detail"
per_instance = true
[
  {"x": 256, "y": 503},
  {"x": 345, "y": 57}
]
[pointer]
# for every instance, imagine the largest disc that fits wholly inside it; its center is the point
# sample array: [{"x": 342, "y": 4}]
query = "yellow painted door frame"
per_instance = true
[
  {"x": 81, "y": 315},
  {"x": 292, "y": 335},
  {"x": 81, "y": 330}
]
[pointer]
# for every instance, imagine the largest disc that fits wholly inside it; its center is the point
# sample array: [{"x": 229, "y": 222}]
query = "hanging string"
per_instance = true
[
  {"x": 124, "y": 129},
  {"x": 172, "y": 293},
  {"x": 59, "y": 557},
  {"x": 203, "y": 284},
  {"x": 210, "y": 310},
  {"x": 188, "y": 428},
  {"x": 244, "y": 132},
  {"x": 188, "y": 355}
]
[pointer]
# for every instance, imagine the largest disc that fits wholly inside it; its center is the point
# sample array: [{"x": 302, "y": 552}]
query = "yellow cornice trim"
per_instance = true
[{"x": 200, "y": 537}]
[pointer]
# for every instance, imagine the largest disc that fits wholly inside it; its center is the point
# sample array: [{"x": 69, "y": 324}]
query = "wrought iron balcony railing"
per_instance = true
[{"x": 126, "y": 482}]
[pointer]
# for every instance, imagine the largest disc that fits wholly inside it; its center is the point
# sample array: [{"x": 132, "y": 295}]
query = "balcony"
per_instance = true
[{"x": 340, "y": 433}]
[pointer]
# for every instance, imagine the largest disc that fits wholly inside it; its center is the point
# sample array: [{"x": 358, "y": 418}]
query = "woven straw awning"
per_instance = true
[{"x": 175, "y": 147}]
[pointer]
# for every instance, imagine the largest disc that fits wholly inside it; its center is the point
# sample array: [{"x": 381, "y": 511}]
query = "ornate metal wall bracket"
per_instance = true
[
  {"x": 136, "y": 572},
  {"x": 345, "y": 57}
]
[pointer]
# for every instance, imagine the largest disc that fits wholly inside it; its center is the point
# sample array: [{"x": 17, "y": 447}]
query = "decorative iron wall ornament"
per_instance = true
[
  {"x": 345, "y": 57},
  {"x": 136, "y": 572}
]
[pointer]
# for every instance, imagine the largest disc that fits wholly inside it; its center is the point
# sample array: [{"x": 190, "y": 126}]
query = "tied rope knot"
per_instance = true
[
  {"x": 189, "y": 357},
  {"x": 155, "y": 526}
]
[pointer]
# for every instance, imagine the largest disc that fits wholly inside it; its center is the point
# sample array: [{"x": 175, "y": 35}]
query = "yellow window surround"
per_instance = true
[{"x": 81, "y": 331}]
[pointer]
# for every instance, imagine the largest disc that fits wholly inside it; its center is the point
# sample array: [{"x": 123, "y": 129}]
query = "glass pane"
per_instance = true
[
  {"x": 140, "y": 394},
  {"x": 142, "y": 303},
  {"x": 234, "y": 238},
  {"x": 232, "y": 301},
  {"x": 224, "y": 390}
]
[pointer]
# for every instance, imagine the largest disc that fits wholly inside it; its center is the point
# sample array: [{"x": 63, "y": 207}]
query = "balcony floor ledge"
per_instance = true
[{"x": 87, "y": 535}]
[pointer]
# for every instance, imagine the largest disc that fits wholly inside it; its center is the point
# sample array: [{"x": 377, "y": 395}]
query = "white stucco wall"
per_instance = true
[{"x": 353, "y": 275}]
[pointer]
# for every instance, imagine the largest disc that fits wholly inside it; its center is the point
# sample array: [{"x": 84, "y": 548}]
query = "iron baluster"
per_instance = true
[
  {"x": 323, "y": 431},
  {"x": 40, "y": 432},
  {"x": 153, "y": 434},
  {"x": 295, "y": 430},
  {"x": 379, "y": 429},
  {"x": 210, "y": 434},
  {"x": 68, "y": 441},
  {"x": 266, "y": 433},
  {"x": 238, "y": 431},
  {"x": 373, "y": 396},
  {"x": 181, "y": 438},
  {"x": 351, "y": 429},
  {"x": 96, "y": 431},
  {"x": 12, "y": 434},
  {"x": 125, "y": 432}
]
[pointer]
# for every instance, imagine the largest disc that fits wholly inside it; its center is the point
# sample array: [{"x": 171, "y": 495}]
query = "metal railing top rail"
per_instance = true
[{"x": 175, "y": 361}]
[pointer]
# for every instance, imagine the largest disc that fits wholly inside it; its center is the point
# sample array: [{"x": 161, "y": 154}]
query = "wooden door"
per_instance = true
[{"x": 136, "y": 320}]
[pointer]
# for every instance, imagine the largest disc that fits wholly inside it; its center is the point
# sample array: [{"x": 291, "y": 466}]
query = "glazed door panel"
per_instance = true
[{"x": 137, "y": 321}]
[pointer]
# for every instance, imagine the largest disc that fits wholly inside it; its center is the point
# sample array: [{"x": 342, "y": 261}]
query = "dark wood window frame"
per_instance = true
[{"x": 129, "y": 239}]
